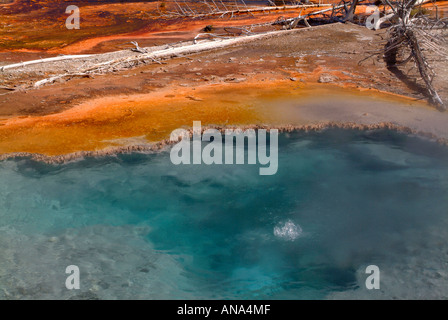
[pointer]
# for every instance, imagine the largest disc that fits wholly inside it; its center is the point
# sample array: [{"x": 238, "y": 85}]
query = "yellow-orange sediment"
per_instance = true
[{"x": 110, "y": 121}]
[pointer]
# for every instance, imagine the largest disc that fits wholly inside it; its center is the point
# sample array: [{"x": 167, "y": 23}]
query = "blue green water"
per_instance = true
[{"x": 140, "y": 227}]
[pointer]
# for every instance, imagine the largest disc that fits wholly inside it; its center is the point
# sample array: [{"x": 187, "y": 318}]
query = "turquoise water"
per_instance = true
[{"x": 140, "y": 227}]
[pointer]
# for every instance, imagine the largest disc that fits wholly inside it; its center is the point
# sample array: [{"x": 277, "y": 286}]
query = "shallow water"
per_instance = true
[{"x": 140, "y": 227}]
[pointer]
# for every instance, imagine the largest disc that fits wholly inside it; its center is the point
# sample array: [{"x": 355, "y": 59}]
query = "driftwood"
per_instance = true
[
  {"x": 202, "y": 36},
  {"x": 7, "y": 88},
  {"x": 60, "y": 58},
  {"x": 122, "y": 63},
  {"x": 292, "y": 23},
  {"x": 183, "y": 10},
  {"x": 66, "y": 75},
  {"x": 142, "y": 50},
  {"x": 137, "y": 48}
]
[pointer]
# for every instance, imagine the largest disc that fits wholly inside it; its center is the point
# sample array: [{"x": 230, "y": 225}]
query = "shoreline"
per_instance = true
[
  {"x": 117, "y": 121},
  {"x": 163, "y": 145}
]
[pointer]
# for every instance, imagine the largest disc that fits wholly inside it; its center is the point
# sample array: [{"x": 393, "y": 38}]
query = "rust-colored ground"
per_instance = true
[
  {"x": 38, "y": 27},
  {"x": 239, "y": 85},
  {"x": 299, "y": 56},
  {"x": 35, "y": 27}
]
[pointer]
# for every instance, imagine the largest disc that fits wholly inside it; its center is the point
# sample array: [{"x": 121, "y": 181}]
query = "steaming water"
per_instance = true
[{"x": 139, "y": 227}]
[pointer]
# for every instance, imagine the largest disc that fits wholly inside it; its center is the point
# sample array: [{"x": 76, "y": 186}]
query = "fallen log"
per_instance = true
[
  {"x": 7, "y": 88},
  {"x": 251, "y": 10},
  {"x": 291, "y": 22},
  {"x": 60, "y": 58},
  {"x": 197, "y": 47}
]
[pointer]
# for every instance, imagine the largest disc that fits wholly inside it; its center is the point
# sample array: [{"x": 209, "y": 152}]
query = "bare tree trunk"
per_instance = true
[
  {"x": 351, "y": 12},
  {"x": 423, "y": 69},
  {"x": 402, "y": 36}
]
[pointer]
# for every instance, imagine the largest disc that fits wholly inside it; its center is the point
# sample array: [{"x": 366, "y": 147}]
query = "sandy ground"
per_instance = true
[{"x": 315, "y": 71}]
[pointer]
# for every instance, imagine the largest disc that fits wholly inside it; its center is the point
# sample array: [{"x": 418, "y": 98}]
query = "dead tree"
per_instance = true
[{"x": 411, "y": 38}]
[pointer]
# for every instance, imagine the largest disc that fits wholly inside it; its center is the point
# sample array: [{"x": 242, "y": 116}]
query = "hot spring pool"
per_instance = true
[{"x": 140, "y": 227}]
